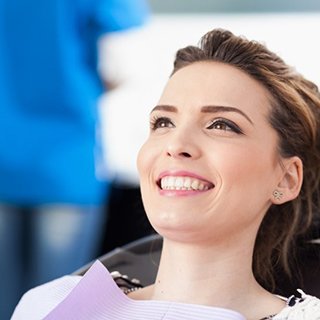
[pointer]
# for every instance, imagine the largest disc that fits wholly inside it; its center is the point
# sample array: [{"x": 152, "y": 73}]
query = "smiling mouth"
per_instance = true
[{"x": 183, "y": 183}]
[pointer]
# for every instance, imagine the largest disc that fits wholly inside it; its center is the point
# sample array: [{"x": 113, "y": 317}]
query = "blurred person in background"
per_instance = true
[{"x": 52, "y": 182}]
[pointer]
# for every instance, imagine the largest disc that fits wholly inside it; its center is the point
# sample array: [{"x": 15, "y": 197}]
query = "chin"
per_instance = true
[{"x": 174, "y": 227}]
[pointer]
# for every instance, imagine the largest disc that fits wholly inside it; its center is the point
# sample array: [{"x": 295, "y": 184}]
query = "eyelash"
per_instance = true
[
  {"x": 164, "y": 122},
  {"x": 230, "y": 125},
  {"x": 155, "y": 123}
]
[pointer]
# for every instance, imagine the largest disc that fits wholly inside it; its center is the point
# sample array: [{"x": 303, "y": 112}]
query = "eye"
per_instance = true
[
  {"x": 224, "y": 125},
  {"x": 160, "y": 122}
]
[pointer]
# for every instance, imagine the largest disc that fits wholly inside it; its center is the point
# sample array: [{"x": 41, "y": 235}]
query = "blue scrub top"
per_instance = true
[{"x": 49, "y": 87}]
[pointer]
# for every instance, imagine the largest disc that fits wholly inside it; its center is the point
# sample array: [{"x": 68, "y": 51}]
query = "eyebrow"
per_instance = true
[
  {"x": 163, "y": 107},
  {"x": 214, "y": 109},
  {"x": 204, "y": 109}
]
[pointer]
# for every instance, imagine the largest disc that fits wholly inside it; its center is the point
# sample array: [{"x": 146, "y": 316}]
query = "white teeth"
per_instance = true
[
  {"x": 179, "y": 182},
  {"x": 182, "y": 183},
  {"x": 171, "y": 181},
  {"x": 187, "y": 182},
  {"x": 195, "y": 184}
]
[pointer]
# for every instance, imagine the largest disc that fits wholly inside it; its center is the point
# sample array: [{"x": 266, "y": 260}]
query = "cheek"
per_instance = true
[
  {"x": 143, "y": 159},
  {"x": 143, "y": 169},
  {"x": 147, "y": 158},
  {"x": 247, "y": 165}
]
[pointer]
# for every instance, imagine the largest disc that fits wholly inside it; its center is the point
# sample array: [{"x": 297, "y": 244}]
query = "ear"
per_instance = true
[{"x": 290, "y": 183}]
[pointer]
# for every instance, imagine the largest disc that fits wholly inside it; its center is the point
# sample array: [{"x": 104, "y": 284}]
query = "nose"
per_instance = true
[{"x": 182, "y": 146}]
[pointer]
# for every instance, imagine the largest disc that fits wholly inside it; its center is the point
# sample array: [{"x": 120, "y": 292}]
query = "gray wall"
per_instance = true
[{"x": 232, "y": 6}]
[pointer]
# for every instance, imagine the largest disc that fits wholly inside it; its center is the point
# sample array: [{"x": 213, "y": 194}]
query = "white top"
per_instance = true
[{"x": 97, "y": 296}]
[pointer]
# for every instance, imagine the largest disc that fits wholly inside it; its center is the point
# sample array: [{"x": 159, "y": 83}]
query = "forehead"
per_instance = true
[{"x": 208, "y": 83}]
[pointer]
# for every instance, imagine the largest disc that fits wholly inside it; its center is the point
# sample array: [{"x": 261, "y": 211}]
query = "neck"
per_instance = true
[
  {"x": 191, "y": 272},
  {"x": 216, "y": 275}
]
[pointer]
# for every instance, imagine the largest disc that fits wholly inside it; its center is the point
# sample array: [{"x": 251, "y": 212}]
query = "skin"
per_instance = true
[{"x": 211, "y": 126}]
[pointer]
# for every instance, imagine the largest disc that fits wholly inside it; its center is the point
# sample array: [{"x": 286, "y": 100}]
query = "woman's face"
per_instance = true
[{"x": 210, "y": 164}]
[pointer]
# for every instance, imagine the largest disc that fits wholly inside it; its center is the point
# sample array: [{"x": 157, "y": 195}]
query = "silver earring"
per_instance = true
[{"x": 277, "y": 194}]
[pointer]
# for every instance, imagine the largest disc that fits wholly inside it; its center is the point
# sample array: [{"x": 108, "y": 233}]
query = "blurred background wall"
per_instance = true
[
  {"x": 288, "y": 27},
  {"x": 228, "y": 6}
]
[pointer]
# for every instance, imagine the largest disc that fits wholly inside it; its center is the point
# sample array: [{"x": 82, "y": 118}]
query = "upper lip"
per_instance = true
[{"x": 183, "y": 173}]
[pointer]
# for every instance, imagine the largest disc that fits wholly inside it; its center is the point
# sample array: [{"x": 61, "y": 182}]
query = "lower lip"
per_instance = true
[{"x": 181, "y": 193}]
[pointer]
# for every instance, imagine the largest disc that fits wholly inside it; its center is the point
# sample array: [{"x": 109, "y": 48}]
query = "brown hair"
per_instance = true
[{"x": 295, "y": 115}]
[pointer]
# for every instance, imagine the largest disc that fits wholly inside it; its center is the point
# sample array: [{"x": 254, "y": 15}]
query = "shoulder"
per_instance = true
[
  {"x": 39, "y": 301},
  {"x": 305, "y": 308}
]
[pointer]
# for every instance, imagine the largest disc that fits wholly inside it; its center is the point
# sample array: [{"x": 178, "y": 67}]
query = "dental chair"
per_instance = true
[{"x": 140, "y": 259}]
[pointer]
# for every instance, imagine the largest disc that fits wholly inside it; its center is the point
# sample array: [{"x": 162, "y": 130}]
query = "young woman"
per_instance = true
[{"x": 230, "y": 178}]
